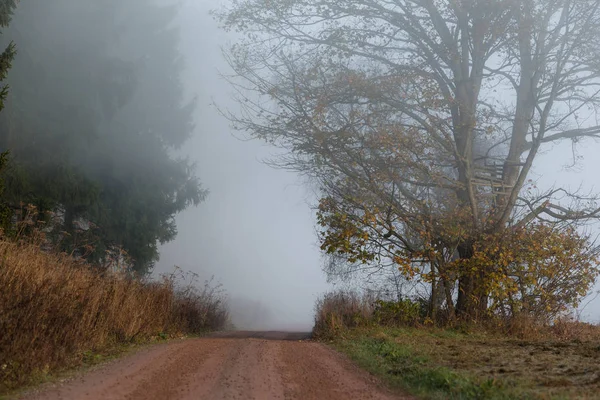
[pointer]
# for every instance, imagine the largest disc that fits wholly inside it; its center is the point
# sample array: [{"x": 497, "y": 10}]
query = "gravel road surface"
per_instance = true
[{"x": 237, "y": 365}]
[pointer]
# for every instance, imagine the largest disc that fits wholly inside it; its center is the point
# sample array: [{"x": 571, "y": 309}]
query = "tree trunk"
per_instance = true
[
  {"x": 472, "y": 297},
  {"x": 449, "y": 301},
  {"x": 433, "y": 300}
]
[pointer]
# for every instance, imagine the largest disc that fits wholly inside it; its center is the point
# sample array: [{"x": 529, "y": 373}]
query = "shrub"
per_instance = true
[
  {"x": 197, "y": 310},
  {"x": 337, "y": 311},
  {"x": 397, "y": 313}
]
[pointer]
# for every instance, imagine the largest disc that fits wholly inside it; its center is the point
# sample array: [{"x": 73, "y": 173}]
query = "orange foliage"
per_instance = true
[{"x": 537, "y": 270}]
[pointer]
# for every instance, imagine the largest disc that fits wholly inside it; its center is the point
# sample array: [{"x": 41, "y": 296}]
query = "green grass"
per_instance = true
[
  {"x": 401, "y": 367},
  {"x": 415, "y": 361}
]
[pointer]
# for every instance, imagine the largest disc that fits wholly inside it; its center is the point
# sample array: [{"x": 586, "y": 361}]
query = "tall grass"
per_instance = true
[
  {"x": 54, "y": 309},
  {"x": 337, "y": 311}
]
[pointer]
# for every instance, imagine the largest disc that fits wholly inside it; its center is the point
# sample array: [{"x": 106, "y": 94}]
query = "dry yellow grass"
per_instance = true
[
  {"x": 54, "y": 309},
  {"x": 340, "y": 310}
]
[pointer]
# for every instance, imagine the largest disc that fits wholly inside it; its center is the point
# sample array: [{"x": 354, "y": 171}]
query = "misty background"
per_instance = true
[{"x": 255, "y": 232}]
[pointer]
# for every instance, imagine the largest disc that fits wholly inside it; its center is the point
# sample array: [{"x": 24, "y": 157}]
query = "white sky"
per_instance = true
[{"x": 255, "y": 232}]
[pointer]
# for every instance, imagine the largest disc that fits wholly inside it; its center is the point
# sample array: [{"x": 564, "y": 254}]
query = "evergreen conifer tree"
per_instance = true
[{"x": 6, "y": 58}]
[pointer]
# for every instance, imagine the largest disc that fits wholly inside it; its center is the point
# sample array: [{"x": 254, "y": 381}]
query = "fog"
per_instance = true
[
  {"x": 579, "y": 172},
  {"x": 255, "y": 233}
]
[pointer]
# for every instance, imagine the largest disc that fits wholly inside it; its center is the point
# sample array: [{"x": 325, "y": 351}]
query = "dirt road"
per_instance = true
[{"x": 241, "y": 365}]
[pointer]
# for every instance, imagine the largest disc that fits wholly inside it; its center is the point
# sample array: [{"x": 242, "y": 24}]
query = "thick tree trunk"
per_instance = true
[
  {"x": 472, "y": 299},
  {"x": 465, "y": 290}
]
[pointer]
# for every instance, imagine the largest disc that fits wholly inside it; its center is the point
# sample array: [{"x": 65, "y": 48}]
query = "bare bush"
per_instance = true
[{"x": 197, "y": 309}]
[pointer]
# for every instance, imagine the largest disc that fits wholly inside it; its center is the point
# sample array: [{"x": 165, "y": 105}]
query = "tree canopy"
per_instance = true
[
  {"x": 421, "y": 121},
  {"x": 6, "y": 58},
  {"x": 94, "y": 117}
]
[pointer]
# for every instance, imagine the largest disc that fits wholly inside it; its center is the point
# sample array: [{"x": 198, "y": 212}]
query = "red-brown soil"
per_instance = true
[{"x": 238, "y": 365}]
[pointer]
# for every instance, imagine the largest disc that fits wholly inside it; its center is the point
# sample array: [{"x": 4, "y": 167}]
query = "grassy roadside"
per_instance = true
[
  {"x": 58, "y": 314},
  {"x": 445, "y": 364}
]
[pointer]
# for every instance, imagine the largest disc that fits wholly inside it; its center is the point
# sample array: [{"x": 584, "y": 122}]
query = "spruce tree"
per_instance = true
[
  {"x": 6, "y": 58},
  {"x": 95, "y": 114}
]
